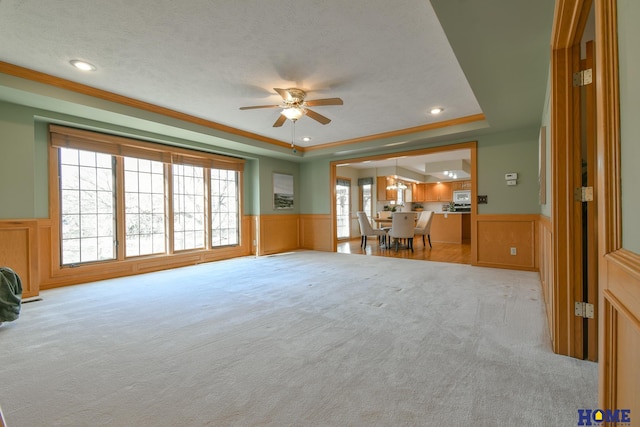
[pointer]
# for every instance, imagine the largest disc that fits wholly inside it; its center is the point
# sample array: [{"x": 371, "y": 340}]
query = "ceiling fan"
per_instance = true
[{"x": 294, "y": 106}]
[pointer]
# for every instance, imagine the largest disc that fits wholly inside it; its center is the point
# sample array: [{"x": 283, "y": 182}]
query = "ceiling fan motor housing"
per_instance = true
[{"x": 296, "y": 96}]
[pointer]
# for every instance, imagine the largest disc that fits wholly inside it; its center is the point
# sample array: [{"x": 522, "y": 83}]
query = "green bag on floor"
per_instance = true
[{"x": 10, "y": 295}]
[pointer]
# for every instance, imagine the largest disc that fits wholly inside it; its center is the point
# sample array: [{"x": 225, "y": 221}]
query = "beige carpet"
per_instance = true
[{"x": 301, "y": 339}]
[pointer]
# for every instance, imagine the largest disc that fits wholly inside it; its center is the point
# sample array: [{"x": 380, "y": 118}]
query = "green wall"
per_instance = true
[
  {"x": 266, "y": 169},
  {"x": 24, "y": 174},
  {"x": 503, "y": 153},
  {"x": 546, "y": 122},
  {"x": 515, "y": 151},
  {"x": 314, "y": 197},
  {"x": 24, "y": 178},
  {"x": 628, "y": 36},
  {"x": 17, "y": 163}
]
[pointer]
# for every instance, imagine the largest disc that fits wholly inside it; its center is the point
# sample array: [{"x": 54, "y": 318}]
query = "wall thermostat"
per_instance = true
[{"x": 511, "y": 176}]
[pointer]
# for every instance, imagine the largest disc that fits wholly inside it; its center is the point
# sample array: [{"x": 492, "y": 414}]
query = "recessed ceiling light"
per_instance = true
[
  {"x": 82, "y": 65},
  {"x": 436, "y": 110},
  {"x": 306, "y": 138}
]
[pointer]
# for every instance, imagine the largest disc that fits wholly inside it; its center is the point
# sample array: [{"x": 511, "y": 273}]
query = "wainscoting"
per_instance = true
[
  {"x": 497, "y": 234},
  {"x": 30, "y": 248},
  {"x": 278, "y": 233},
  {"x": 18, "y": 251},
  {"x": 315, "y": 232},
  {"x": 620, "y": 300},
  {"x": 547, "y": 264}
]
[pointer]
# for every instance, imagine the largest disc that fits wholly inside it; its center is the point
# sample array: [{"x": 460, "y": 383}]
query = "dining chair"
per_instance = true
[
  {"x": 402, "y": 227},
  {"x": 423, "y": 227},
  {"x": 367, "y": 230}
]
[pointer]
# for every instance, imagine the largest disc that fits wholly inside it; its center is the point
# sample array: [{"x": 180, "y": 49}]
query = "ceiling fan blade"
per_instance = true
[
  {"x": 325, "y": 101},
  {"x": 318, "y": 117},
  {"x": 280, "y": 121},
  {"x": 284, "y": 94},
  {"x": 259, "y": 106}
]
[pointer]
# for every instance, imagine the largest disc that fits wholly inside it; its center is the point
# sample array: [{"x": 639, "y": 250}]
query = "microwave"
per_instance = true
[{"x": 462, "y": 197}]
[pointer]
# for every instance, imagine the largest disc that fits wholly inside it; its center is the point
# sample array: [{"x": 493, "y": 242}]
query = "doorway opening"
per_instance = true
[{"x": 427, "y": 188}]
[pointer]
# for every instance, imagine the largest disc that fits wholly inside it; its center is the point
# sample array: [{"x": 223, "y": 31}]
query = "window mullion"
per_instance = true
[
  {"x": 120, "y": 209},
  {"x": 170, "y": 210},
  {"x": 207, "y": 208}
]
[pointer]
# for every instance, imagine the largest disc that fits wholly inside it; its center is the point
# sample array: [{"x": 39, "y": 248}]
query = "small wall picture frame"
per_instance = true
[{"x": 283, "y": 196}]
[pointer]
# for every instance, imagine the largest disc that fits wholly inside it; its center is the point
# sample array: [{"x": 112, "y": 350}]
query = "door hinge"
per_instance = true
[
  {"x": 584, "y": 309},
  {"x": 583, "y": 194},
  {"x": 582, "y": 78}
]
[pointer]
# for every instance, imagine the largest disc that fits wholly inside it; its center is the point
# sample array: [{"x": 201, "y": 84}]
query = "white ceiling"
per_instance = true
[{"x": 390, "y": 62}]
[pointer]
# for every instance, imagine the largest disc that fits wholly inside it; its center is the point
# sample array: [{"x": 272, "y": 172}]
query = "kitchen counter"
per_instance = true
[
  {"x": 451, "y": 213},
  {"x": 451, "y": 227}
]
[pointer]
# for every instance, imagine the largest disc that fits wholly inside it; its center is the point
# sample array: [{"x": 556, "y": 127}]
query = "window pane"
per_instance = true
[
  {"x": 145, "y": 182},
  {"x": 141, "y": 201},
  {"x": 69, "y": 177},
  {"x": 69, "y": 157},
  {"x": 87, "y": 158},
  {"x": 133, "y": 245},
  {"x": 342, "y": 210},
  {"x": 87, "y": 206},
  {"x": 188, "y": 207},
  {"x": 224, "y": 208},
  {"x": 130, "y": 181}
]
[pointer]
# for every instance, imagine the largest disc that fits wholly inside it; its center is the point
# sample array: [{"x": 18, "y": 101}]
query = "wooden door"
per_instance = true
[
  {"x": 589, "y": 254},
  {"x": 619, "y": 267}
]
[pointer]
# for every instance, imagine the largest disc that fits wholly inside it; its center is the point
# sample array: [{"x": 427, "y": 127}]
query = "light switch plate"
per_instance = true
[{"x": 510, "y": 176}]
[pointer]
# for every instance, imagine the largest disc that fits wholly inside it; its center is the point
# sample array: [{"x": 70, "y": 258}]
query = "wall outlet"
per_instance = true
[
  {"x": 514, "y": 251},
  {"x": 483, "y": 200}
]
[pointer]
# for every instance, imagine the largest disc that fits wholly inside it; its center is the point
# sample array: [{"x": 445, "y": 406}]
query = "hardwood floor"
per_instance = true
[{"x": 442, "y": 252}]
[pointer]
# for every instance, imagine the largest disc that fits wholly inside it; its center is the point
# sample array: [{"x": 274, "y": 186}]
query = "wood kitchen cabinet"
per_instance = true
[
  {"x": 419, "y": 192},
  {"x": 439, "y": 192},
  {"x": 461, "y": 185},
  {"x": 381, "y": 189}
]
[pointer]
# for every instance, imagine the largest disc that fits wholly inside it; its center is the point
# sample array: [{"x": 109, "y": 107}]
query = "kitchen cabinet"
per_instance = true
[
  {"x": 461, "y": 185},
  {"x": 419, "y": 192},
  {"x": 381, "y": 189},
  {"x": 439, "y": 192}
]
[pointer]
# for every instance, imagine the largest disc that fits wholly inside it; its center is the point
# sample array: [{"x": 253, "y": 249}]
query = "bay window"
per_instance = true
[{"x": 120, "y": 198}]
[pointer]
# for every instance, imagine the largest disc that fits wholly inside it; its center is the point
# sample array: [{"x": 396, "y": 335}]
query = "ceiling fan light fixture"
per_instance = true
[{"x": 293, "y": 113}]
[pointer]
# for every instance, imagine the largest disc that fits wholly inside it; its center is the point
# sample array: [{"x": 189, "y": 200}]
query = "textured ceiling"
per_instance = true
[{"x": 390, "y": 62}]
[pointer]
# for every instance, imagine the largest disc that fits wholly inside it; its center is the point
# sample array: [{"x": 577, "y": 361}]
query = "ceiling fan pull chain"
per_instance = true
[{"x": 293, "y": 137}]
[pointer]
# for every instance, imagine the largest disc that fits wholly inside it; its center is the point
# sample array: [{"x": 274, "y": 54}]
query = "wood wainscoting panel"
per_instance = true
[
  {"x": 315, "y": 232},
  {"x": 546, "y": 266},
  {"x": 278, "y": 233},
  {"x": 18, "y": 251},
  {"x": 497, "y": 234},
  {"x": 620, "y": 333}
]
